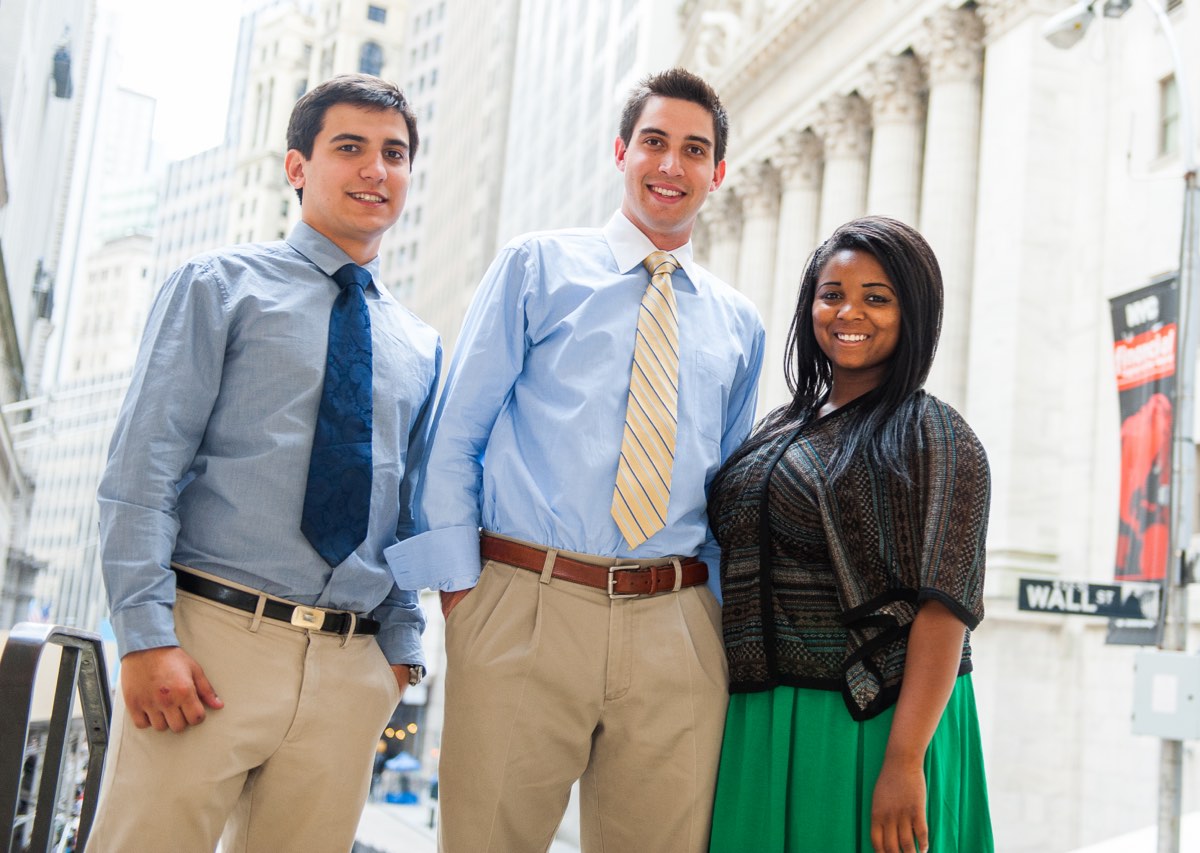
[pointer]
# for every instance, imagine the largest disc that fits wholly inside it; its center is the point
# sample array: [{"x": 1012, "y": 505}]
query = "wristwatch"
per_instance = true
[{"x": 415, "y": 673}]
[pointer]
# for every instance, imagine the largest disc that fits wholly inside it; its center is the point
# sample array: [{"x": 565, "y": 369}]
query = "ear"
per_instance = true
[
  {"x": 293, "y": 167},
  {"x": 619, "y": 151},
  {"x": 718, "y": 176}
]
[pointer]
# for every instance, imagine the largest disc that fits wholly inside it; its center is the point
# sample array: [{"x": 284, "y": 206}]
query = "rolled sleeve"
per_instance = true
[{"x": 401, "y": 624}]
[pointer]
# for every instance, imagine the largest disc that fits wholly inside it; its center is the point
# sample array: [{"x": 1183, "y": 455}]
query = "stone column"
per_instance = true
[
  {"x": 799, "y": 162},
  {"x": 844, "y": 125},
  {"x": 955, "y": 56},
  {"x": 723, "y": 225},
  {"x": 758, "y": 187},
  {"x": 895, "y": 90}
]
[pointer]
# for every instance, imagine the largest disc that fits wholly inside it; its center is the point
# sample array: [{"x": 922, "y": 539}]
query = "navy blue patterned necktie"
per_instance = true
[{"x": 337, "y": 501}]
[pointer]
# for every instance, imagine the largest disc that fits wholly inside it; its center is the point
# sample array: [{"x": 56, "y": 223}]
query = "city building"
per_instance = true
[
  {"x": 459, "y": 178},
  {"x": 1047, "y": 181},
  {"x": 423, "y": 60},
  {"x": 45, "y": 55},
  {"x": 45, "y": 59},
  {"x": 193, "y": 210}
]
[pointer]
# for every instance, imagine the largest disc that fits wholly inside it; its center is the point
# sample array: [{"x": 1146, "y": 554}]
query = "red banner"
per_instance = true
[{"x": 1144, "y": 327}]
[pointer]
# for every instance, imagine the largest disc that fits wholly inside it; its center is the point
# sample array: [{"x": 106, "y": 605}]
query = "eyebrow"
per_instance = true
[
  {"x": 704, "y": 140},
  {"x": 354, "y": 137}
]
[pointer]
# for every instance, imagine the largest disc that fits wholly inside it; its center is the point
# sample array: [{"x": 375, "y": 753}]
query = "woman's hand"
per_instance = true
[
  {"x": 898, "y": 809},
  {"x": 931, "y": 662}
]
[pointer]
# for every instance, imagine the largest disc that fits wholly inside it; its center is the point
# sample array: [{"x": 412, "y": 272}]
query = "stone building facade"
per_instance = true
[{"x": 1046, "y": 183}]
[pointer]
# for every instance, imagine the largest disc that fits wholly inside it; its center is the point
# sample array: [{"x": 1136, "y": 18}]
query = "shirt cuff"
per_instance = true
[
  {"x": 446, "y": 559},
  {"x": 144, "y": 626},
  {"x": 401, "y": 643}
]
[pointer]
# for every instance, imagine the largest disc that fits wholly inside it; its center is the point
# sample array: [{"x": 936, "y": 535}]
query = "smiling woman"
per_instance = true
[{"x": 852, "y": 528}]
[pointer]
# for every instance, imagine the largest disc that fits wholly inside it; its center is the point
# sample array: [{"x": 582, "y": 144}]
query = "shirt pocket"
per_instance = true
[{"x": 709, "y": 396}]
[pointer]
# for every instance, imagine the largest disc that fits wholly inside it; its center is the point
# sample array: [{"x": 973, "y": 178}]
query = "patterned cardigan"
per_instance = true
[{"x": 822, "y": 581}]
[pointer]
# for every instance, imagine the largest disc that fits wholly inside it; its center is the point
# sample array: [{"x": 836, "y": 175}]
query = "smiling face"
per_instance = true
[
  {"x": 356, "y": 181},
  {"x": 669, "y": 169},
  {"x": 856, "y": 321}
]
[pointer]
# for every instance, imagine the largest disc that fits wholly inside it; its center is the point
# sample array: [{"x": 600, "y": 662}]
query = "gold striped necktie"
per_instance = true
[{"x": 648, "y": 445}]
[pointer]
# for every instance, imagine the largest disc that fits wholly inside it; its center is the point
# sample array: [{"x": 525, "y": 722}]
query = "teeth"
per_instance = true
[
  {"x": 367, "y": 196},
  {"x": 666, "y": 192},
  {"x": 851, "y": 338}
]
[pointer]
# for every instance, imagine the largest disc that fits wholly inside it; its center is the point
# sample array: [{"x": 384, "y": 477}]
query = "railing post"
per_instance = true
[{"x": 82, "y": 668}]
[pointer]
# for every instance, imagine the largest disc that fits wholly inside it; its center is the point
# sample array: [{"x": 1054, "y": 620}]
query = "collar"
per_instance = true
[
  {"x": 325, "y": 254},
  {"x": 630, "y": 247}
]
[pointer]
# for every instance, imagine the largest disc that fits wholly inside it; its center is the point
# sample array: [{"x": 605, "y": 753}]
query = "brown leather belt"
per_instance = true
[{"x": 622, "y": 580}]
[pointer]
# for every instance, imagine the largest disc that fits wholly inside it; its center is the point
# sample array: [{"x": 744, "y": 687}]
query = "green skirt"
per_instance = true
[{"x": 797, "y": 775}]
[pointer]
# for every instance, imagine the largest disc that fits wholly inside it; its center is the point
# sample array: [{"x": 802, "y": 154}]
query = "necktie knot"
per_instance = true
[
  {"x": 352, "y": 274},
  {"x": 660, "y": 262}
]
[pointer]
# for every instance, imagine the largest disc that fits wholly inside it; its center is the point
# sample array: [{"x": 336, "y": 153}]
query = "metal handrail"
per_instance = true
[{"x": 81, "y": 666}]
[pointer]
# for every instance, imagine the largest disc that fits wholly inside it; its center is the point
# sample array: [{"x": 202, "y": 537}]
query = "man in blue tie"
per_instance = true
[
  {"x": 264, "y": 458},
  {"x": 601, "y": 378}
]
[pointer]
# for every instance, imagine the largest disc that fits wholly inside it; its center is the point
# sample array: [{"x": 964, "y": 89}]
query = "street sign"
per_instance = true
[{"x": 1111, "y": 600}]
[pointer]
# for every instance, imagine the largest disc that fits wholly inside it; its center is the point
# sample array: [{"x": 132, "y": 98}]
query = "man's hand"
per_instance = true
[
  {"x": 400, "y": 670},
  {"x": 165, "y": 688},
  {"x": 450, "y": 600}
]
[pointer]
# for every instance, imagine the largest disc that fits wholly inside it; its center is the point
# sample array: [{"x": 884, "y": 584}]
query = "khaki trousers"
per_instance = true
[
  {"x": 548, "y": 682},
  {"x": 285, "y": 765}
]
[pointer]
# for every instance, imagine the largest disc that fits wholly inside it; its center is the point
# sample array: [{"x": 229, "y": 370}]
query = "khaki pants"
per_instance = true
[
  {"x": 548, "y": 682},
  {"x": 285, "y": 765}
]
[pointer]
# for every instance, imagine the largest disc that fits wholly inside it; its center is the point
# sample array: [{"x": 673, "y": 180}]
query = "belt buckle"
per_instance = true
[
  {"x": 612, "y": 581},
  {"x": 308, "y": 617}
]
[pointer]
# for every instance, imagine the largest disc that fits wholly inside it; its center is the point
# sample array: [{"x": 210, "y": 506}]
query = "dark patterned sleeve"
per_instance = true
[{"x": 957, "y": 489}]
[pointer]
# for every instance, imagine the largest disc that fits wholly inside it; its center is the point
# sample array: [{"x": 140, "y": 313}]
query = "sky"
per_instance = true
[{"x": 181, "y": 53}]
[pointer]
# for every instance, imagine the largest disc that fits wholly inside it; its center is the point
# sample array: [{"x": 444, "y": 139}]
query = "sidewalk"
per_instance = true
[{"x": 390, "y": 828}]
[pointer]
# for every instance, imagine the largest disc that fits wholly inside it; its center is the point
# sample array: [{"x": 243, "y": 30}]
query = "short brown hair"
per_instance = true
[
  {"x": 362, "y": 90},
  {"x": 686, "y": 86}
]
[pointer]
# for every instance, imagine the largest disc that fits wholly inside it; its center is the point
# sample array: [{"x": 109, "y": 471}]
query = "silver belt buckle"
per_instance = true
[
  {"x": 612, "y": 581},
  {"x": 308, "y": 617}
]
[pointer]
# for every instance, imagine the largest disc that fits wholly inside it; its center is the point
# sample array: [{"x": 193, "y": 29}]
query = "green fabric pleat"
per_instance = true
[{"x": 797, "y": 775}]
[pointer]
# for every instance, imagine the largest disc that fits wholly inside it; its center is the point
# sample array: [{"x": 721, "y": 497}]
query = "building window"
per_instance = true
[
  {"x": 370, "y": 58},
  {"x": 377, "y": 14},
  {"x": 1168, "y": 116}
]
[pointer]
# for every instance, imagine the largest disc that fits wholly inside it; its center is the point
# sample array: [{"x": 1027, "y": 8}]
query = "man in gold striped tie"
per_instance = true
[{"x": 601, "y": 378}]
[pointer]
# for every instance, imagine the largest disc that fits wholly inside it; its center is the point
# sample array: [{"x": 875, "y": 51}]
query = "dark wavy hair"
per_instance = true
[{"x": 884, "y": 419}]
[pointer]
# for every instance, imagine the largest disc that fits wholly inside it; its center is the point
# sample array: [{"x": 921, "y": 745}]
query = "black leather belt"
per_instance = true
[{"x": 313, "y": 618}]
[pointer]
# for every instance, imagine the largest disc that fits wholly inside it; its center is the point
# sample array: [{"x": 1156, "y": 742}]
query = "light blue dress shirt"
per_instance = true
[
  {"x": 529, "y": 426},
  {"x": 209, "y": 460}
]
